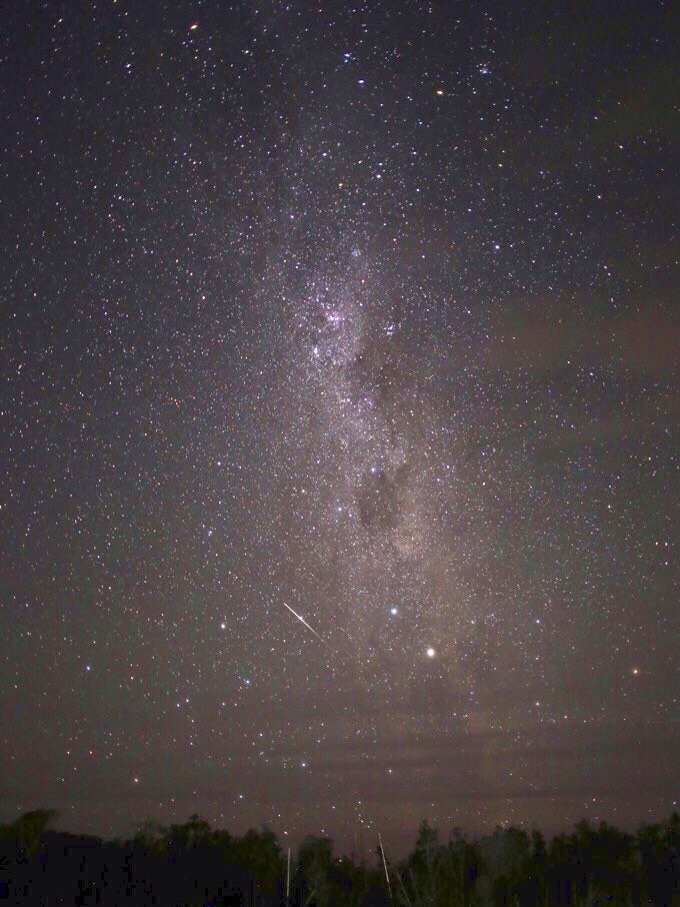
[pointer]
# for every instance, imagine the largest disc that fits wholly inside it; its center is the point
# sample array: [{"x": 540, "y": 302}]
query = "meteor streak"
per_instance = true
[{"x": 302, "y": 620}]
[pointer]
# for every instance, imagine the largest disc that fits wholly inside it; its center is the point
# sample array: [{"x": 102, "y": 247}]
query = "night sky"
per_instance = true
[{"x": 340, "y": 414}]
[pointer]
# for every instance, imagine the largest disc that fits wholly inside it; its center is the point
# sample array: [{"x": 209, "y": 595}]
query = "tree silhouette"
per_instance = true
[
  {"x": 29, "y": 828},
  {"x": 192, "y": 864}
]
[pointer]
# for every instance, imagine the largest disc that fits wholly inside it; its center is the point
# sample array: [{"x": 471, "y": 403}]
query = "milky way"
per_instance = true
[{"x": 349, "y": 320}]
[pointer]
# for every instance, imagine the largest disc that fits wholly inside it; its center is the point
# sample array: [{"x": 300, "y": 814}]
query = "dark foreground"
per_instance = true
[{"x": 192, "y": 864}]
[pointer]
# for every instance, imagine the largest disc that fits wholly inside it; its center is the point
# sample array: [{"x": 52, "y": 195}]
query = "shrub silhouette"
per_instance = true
[{"x": 193, "y": 865}]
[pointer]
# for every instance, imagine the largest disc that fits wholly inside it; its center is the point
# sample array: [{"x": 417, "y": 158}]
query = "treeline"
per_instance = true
[{"x": 194, "y": 865}]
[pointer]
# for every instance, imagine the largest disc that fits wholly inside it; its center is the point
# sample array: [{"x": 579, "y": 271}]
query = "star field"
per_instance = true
[{"x": 339, "y": 414}]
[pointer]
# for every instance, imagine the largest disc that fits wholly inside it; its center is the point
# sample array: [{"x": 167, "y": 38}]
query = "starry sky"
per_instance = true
[{"x": 339, "y": 414}]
